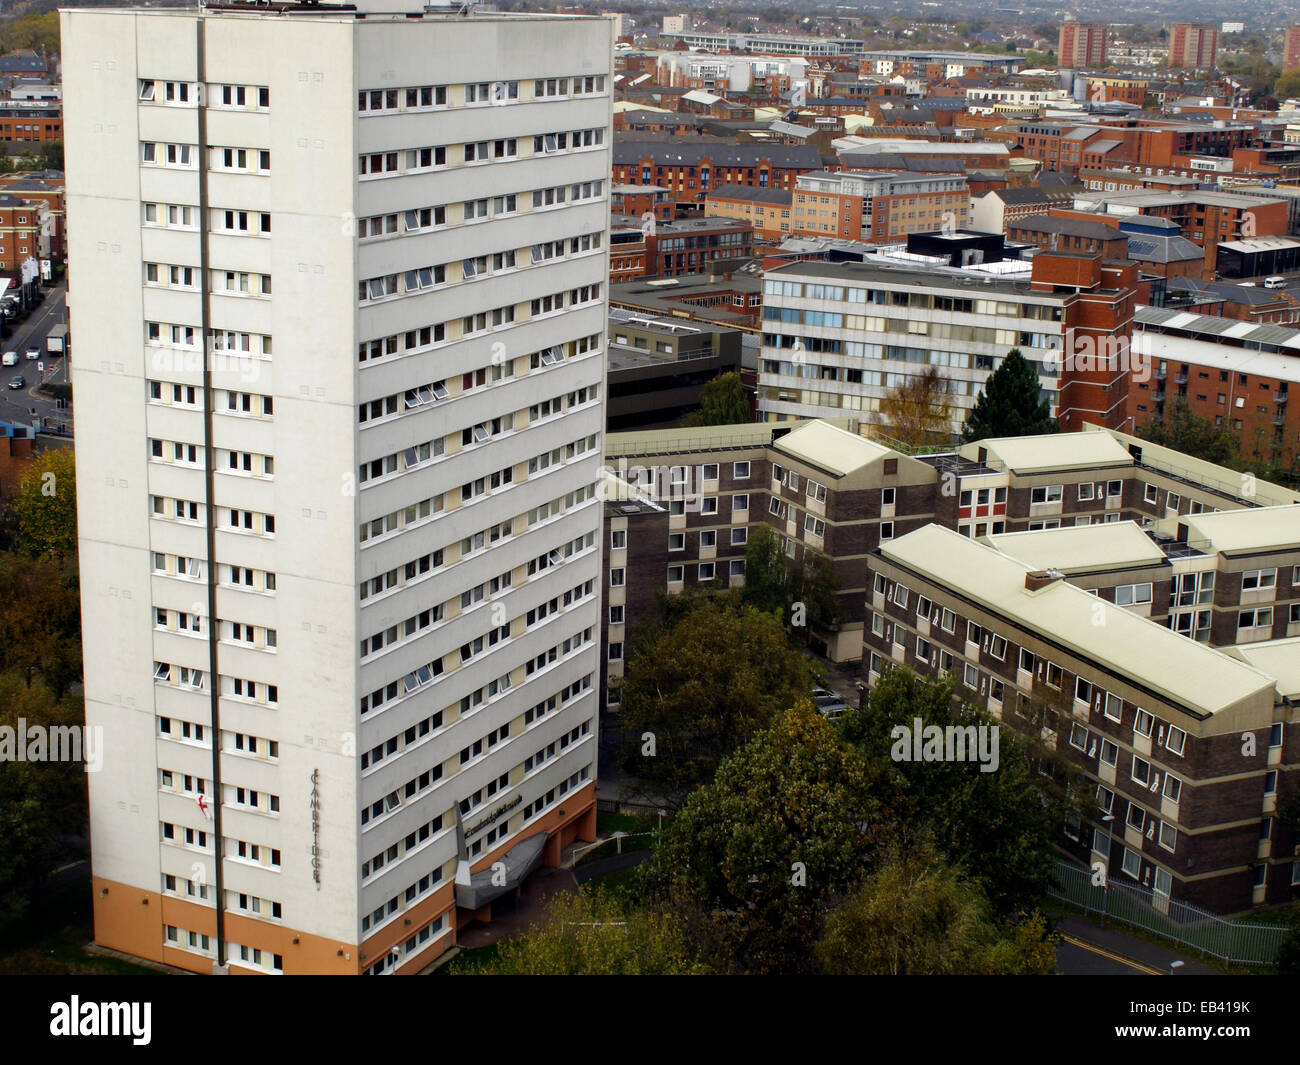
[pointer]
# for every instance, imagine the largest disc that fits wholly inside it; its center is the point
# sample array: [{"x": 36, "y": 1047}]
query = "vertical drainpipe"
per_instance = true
[{"x": 205, "y": 321}]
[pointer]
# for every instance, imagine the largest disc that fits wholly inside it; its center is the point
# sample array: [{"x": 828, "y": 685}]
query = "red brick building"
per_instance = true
[
  {"x": 1194, "y": 45},
  {"x": 1082, "y": 44},
  {"x": 21, "y": 236},
  {"x": 691, "y": 169}
]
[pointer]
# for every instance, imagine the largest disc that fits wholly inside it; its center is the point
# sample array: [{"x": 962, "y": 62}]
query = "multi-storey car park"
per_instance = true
[{"x": 340, "y": 537}]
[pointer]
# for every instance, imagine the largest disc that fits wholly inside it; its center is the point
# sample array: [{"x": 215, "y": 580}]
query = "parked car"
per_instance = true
[
  {"x": 16, "y": 383},
  {"x": 33, "y": 352},
  {"x": 829, "y": 704}
]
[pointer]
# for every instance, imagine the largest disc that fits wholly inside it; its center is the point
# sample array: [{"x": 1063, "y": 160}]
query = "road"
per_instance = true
[
  {"x": 1086, "y": 949},
  {"x": 17, "y": 405}
]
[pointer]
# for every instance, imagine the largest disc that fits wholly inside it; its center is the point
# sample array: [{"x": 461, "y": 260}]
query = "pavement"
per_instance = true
[
  {"x": 1087, "y": 949},
  {"x": 512, "y": 916}
]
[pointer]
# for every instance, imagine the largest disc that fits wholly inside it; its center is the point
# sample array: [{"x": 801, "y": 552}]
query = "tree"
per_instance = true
[
  {"x": 40, "y": 621},
  {"x": 44, "y": 507},
  {"x": 51, "y": 155},
  {"x": 802, "y": 591},
  {"x": 1287, "y": 85},
  {"x": 1182, "y": 429},
  {"x": 790, "y": 821},
  {"x": 592, "y": 933},
  {"x": 917, "y": 413},
  {"x": 814, "y": 602},
  {"x": 997, "y": 825},
  {"x": 1011, "y": 404},
  {"x": 42, "y": 803},
  {"x": 700, "y": 687},
  {"x": 722, "y": 402},
  {"x": 916, "y": 915}
]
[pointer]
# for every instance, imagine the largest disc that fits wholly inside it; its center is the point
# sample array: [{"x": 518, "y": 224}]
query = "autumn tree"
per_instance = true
[
  {"x": 43, "y": 510},
  {"x": 916, "y": 915},
  {"x": 722, "y": 402},
  {"x": 1010, "y": 404},
  {"x": 594, "y": 933},
  {"x": 701, "y": 686},
  {"x": 1287, "y": 85},
  {"x": 916, "y": 413}
]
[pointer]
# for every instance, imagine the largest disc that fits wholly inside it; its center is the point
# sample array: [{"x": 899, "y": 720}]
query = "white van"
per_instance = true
[
  {"x": 1275, "y": 282},
  {"x": 10, "y": 358}
]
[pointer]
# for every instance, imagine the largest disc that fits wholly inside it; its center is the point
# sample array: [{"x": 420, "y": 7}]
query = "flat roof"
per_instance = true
[
  {"x": 831, "y": 448},
  {"x": 1082, "y": 548},
  {"x": 1052, "y": 451},
  {"x": 1253, "y": 530},
  {"x": 1187, "y": 673}
]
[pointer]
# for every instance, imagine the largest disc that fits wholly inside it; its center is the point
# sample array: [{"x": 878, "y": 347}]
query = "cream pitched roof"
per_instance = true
[{"x": 1187, "y": 673}]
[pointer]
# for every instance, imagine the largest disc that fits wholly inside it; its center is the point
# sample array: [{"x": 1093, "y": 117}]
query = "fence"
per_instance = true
[{"x": 1229, "y": 941}]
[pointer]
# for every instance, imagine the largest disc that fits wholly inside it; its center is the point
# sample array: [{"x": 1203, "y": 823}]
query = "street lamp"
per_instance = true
[
  {"x": 660, "y": 829},
  {"x": 1174, "y": 966},
  {"x": 1107, "y": 819}
]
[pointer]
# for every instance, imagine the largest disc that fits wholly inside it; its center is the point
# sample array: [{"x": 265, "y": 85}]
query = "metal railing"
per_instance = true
[{"x": 1234, "y": 942}]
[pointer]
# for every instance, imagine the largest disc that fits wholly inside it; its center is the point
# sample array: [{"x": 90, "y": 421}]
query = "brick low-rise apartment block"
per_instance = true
[
  {"x": 879, "y": 207},
  {"x": 691, "y": 169},
  {"x": 769, "y": 211},
  {"x": 1184, "y": 563},
  {"x": 1156, "y": 722}
]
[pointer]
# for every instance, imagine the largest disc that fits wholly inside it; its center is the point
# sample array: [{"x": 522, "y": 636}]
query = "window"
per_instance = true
[
  {"x": 1142, "y": 723},
  {"x": 1045, "y": 493},
  {"x": 1109, "y": 753},
  {"x": 618, "y": 539},
  {"x": 1136, "y": 817},
  {"x": 676, "y": 574},
  {"x": 886, "y": 530},
  {"x": 676, "y": 541},
  {"x": 1078, "y": 736},
  {"x": 900, "y": 595},
  {"x": 740, "y": 471},
  {"x": 1253, "y": 580},
  {"x": 1112, "y": 707},
  {"x": 739, "y": 536},
  {"x": 1132, "y": 863},
  {"x": 887, "y": 496},
  {"x": 740, "y": 502},
  {"x": 617, "y": 578},
  {"x": 948, "y": 620},
  {"x": 1140, "y": 770},
  {"x": 1173, "y": 788},
  {"x": 1085, "y": 490},
  {"x": 1133, "y": 594},
  {"x": 1175, "y": 740},
  {"x": 1150, "y": 493},
  {"x": 998, "y": 648}
]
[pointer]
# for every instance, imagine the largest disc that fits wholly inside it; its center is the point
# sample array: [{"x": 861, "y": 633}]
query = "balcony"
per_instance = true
[
  {"x": 1279, "y": 397},
  {"x": 1158, "y": 397},
  {"x": 1160, "y": 373},
  {"x": 1180, "y": 379},
  {"x": 1280, "y": 418}
]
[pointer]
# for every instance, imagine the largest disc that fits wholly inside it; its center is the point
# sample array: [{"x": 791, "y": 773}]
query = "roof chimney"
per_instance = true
[{"x": 1041, "y": 578}]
